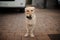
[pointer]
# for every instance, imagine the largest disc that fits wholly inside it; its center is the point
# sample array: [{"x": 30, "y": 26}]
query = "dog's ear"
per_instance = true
[
  {"x": 25, "y": 9},
  {"x": 33, "y": 8}
]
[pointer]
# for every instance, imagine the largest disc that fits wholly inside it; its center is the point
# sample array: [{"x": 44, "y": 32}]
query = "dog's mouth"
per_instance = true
[{"x": 29, "y": 17}]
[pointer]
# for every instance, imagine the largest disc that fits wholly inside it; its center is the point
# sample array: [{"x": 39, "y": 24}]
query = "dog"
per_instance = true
[{"x": 30, "y": 20}]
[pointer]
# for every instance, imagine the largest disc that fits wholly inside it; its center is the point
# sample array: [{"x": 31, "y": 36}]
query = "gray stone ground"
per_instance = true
[{"x": 12, "y": 26}]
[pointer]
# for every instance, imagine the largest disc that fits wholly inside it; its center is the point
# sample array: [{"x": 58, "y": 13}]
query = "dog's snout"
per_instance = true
[{"x": 30, "y": 15}]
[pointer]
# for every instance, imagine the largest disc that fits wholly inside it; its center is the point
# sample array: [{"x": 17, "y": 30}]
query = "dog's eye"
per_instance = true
[
  {"x": 31, "y": 10},
  {"x": 27, "y": 10}
]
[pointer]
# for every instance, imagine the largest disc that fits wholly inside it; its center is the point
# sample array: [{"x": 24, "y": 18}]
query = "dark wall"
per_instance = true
[
  {"x": 51, "y": 4},
  {"x": 38, "y": 3},
  {"x": 29, "y": 1},
  {"x": 44, "y": 3}
]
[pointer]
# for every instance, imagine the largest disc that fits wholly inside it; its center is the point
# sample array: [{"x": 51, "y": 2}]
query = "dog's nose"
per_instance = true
[{"x": 30, "y": 15}]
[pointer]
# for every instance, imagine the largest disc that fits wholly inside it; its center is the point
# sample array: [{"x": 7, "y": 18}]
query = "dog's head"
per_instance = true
[{"x": 29, "y": 11}]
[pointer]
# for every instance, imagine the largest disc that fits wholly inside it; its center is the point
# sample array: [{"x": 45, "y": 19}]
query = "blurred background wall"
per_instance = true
[{"x": 45, "y": 3}]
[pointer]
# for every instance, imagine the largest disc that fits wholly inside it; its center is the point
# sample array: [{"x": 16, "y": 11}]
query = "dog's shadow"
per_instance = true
[{"x": 31, "y": 38}]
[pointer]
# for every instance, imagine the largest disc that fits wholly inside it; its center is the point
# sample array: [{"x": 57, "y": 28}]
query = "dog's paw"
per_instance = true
[
  {"x": 26, "y": 35},
  {"x": 32, "y": 35}
]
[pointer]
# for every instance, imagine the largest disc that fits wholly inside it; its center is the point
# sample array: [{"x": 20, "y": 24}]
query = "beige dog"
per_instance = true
[{"x": 30, "y": 20}]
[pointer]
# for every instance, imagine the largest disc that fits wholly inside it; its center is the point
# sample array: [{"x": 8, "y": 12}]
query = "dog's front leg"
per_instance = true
[
  {"x": 27, "y": 31},
  {"x": 31, "y": 31}
]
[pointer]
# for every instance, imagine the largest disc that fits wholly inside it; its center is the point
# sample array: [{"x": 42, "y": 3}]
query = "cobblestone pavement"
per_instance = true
[{"x": 12, "y": 26}]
